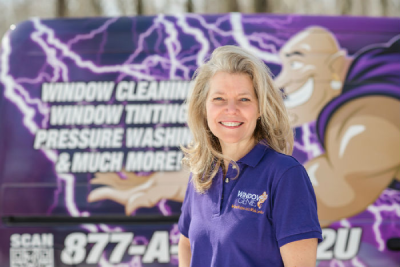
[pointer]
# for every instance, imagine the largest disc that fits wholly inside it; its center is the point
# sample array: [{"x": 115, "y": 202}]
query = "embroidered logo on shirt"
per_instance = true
[
  {"x": 261, "y": 199},
  {"x": 249, "y": 199},
  {"x": 250, "y": 202}
]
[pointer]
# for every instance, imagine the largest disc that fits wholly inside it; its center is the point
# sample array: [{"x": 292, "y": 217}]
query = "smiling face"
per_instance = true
[
  {"x": 311, "y": 61},
  {"x": 232, "y": 109}
]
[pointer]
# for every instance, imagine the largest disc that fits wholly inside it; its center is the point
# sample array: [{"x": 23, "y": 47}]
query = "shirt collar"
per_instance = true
[{"x": 254, "y": 156}]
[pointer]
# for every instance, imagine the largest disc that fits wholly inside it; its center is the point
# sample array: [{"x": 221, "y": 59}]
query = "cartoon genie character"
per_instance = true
[{"x": 356, "y": 104}]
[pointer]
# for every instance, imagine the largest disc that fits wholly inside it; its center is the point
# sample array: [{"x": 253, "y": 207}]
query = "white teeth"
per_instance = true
[{"x": 231, "y": 123}]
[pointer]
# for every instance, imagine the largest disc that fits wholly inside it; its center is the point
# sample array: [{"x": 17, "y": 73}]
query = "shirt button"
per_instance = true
[{"x": 234, "y": 167}]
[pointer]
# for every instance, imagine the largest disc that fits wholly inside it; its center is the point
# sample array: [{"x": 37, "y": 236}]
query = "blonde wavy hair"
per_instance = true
[{"x": 203, "y": 155}]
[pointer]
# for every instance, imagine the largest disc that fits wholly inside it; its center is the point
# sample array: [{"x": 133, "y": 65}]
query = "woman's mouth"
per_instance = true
[{"x": 231, "y": 124}]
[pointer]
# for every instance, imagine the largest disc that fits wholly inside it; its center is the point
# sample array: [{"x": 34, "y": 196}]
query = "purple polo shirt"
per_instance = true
[{"x": 245, "y": 221}]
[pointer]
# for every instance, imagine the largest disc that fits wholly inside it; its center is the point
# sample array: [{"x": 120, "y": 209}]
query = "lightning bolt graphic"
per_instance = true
[
  {"x": 357, "y": 263},
  {"x": 150, "y": 60},
  {"x": 242, "y": 40},
  {"x": 199, "y": 36},
  {"x": 336, "y": 263},
  {"x": 388, "y": 202},
  {"x": 273, "y": 21},
  {"x": 130, "y": 69},
  {"x": 9, "y": 87},
  {"x": 213, "y": 29},
  {"x": 307, "y": 142},
  {"x": 313, "y": 149},
  {"x": 174, "y": 235},
  {"x": 93, "y": 33},
  {"x": 60, "y": 69},
  {"x": 10, "y": 92}
]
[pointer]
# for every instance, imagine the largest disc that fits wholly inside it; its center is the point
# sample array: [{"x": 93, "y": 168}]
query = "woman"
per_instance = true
[{"x": 247, "y": 203}]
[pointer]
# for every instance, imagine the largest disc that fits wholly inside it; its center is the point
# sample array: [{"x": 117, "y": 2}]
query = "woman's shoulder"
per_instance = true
[
  {"x": 280, "y": 161},
  {"x": 277, "y": 165}
]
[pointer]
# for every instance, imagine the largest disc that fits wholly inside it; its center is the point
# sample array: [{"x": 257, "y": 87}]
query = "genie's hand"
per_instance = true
[{"x": 135, "y": 192}]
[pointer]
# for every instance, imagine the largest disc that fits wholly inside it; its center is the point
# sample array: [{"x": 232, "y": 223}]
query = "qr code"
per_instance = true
[{"x": 31, "y": 257}]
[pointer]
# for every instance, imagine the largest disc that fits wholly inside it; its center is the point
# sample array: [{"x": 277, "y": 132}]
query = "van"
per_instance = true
[{"x": 93, "y": 113}]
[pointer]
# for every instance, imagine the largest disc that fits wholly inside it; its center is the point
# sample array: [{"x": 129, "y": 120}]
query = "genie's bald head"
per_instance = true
[
  {"x": 312, "y": 40},
  {"x": 313, "y": 66}
]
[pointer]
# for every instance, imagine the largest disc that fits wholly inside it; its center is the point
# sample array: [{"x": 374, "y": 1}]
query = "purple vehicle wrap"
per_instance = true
[{"x": 89, "y": 104}]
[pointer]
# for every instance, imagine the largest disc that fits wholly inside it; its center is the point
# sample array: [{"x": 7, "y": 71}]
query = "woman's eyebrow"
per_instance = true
[
  {"x": 245, "y": 93},
  {"x": 223, "y": 93},
  {"x": 217, "y": 93}
]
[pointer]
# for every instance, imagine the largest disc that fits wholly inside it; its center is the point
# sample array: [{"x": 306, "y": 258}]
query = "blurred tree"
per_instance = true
[
  {"x": 19, "y": 10},
  {"x": 261, "y": 6},
  {"x": 190, "y": 6},
  {"x": 139, "y": 7},
  {"x": 61, "y": 8},
  {"x": 232, "y": 6}
]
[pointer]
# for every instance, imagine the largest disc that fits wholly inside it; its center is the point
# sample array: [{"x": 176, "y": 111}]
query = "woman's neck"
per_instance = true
[{"x": 236, "y": 151}]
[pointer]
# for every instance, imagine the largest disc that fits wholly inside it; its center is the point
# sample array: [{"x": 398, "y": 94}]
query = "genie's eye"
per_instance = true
[{"x": 296, "y": 65}]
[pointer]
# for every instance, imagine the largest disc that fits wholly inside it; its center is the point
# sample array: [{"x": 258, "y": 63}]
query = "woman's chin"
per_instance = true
[{"x": 234, "y": 140}]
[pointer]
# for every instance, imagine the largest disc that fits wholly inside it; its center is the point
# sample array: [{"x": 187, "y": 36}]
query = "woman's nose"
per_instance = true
[{"x": 231, "y": 106}]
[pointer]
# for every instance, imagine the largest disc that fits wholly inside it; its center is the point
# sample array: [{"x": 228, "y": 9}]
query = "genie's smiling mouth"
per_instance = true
[{"x": 300, "y": 96}]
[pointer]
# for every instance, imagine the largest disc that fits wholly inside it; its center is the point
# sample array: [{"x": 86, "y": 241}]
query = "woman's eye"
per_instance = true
[
  {"x": 244, "y": 99},
  {"x": 218, "y": 98}
]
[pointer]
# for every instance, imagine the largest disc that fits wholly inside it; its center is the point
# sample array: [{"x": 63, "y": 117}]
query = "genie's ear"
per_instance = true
[{"x": 337, "y": 61}]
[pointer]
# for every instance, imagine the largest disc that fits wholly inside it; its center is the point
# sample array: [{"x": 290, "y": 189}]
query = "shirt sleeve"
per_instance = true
[
  {"x": 185, "y": 217},
  {"x": 294, "y": 211}
]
